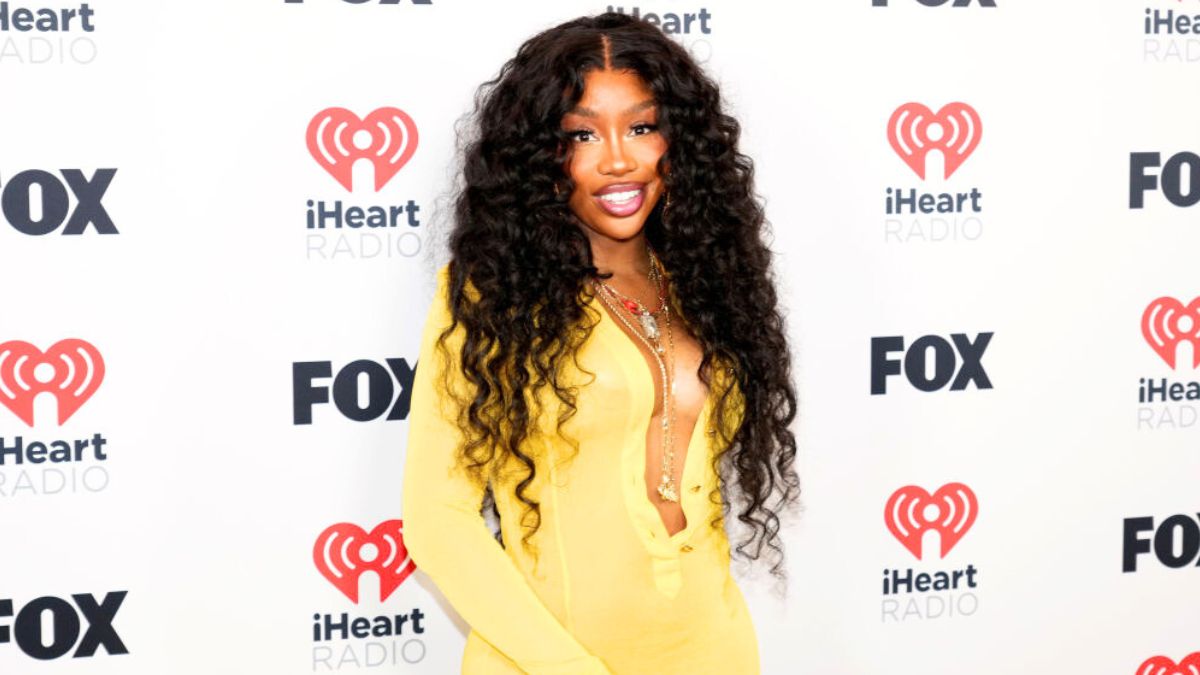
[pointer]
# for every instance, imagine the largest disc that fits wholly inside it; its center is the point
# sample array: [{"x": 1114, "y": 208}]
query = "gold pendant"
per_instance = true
[
  {"x": 649, "y": 324},
  {"x": 667, "y": 492}
]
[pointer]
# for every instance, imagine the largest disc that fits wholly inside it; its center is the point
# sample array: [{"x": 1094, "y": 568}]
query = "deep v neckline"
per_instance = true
[{"x": 643, "y": 392}]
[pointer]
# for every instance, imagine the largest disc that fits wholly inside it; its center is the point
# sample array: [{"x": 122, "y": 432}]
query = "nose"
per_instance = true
[{"x": 616, "y": 160}]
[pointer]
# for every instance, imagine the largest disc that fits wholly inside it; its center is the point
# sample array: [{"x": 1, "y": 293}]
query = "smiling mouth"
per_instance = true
[{"x": 621, "y": 201}]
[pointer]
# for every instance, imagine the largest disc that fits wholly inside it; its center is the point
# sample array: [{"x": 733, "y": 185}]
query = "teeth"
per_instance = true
[{"x": 619, "y": 197}]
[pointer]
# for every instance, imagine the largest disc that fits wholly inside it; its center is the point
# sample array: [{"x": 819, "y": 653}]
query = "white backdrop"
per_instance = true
[{"x": 207, "y": 498}]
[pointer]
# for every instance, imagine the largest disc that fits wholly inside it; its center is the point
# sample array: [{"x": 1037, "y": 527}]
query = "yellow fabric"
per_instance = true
[{"x": 610, "y": 592}]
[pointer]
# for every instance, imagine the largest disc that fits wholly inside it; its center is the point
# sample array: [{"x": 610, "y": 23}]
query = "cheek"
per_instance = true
[
  {"x": 581, "y": 159},
  {"x": 568, "y": 159},
  {"x": 578, "y": 200},
  {"x": 580, "y": 167},
  {"x": 655, "y": 152},
  {"x": 571, "y": 166}
]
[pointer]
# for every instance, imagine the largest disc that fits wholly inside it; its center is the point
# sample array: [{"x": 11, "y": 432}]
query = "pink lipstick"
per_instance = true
[{"x": 621, "y": 199}]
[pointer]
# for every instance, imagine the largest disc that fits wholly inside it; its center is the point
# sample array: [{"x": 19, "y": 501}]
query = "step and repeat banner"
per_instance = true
[{"x": 220, "y": 224}]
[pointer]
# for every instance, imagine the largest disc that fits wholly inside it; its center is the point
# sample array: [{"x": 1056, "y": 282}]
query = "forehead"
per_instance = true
[{"x": 613, "y": 91}]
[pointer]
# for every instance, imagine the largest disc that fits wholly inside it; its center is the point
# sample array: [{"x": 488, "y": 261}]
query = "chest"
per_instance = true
[{"x": 665, "y": 350}]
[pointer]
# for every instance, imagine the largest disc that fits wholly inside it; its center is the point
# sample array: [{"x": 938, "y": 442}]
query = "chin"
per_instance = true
[{"x": 619, "y": 229}]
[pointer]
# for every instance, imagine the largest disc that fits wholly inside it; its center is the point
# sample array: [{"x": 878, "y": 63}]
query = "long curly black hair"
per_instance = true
[{"x": 520, "y": 262}]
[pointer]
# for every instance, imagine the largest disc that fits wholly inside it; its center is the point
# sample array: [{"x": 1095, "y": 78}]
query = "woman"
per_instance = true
[{"x": 605, "y": 354}]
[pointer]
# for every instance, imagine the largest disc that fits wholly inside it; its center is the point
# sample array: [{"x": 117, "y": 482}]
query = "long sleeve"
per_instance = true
[{"x": 448, "y": 538}]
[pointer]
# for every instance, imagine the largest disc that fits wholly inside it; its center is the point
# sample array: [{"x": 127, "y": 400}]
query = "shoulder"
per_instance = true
[
  {"x": 446, "y": 281},
  {"x": 441, "y": 282},
  {"x": 439, "y": 317},
  {"x": 453, "y": 299}
]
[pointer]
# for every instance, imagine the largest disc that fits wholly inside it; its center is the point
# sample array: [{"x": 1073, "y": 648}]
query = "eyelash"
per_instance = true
[{"x": 575, "y": 134}]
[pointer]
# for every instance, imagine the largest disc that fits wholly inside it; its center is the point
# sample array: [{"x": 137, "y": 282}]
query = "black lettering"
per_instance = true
[
  {"x": 15, "y": 202},
  {"x": 943, "y": 363},
  {"x": 906, "y": 581},
  {"x": 23, "y": 19},
  {"x": 342, "y": 626},
  {"x": 972, "y": 357},
  {"x": 6, "y": 605},
  {"x": 1172, "y": 179},
  {"x": 17, "y": 451},
  {"x": 89, "y": 210},
  {"x": 1160, "y": 20},
  {"x": 98, "y": 442},
  {"x": 971, "y": 576},
  {"x": 1153, "y": 390},
  {"x": 1139, "y": 182},
  {"x": 28, "y": 628},
  {"x": 1164, "y": 539},
  {"x": 379, "y": 390},
  {"x": 334, "y": 215},
  {"x": 881, "y": 365},
  {"x": 100, "y": 632},
  {"x": 1135, "y": 545},
  {"x": 86, "y": 13},
  {"x": 404, "y": 377},
  {"x": 411, "y": 209},
  {"x": 304, "y": 394}
]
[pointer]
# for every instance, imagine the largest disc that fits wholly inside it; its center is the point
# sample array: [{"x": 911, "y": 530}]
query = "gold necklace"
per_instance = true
[
  {"x": 644, "y": 315},
  {"x": 611, "y": 298}
]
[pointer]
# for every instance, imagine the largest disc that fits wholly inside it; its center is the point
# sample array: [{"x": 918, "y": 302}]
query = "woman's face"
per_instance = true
[{"x": 613, "y": 155}]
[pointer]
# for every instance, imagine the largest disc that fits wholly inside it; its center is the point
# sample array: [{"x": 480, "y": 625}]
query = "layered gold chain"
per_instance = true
[{"x": 613, "y": 299}]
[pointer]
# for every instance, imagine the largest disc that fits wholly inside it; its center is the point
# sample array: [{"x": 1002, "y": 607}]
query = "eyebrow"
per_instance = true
[{"x": 631, "y": 110}]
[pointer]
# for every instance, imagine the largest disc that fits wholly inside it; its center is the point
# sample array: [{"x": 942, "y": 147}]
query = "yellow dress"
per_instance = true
[{"x": 610, "y": 591}]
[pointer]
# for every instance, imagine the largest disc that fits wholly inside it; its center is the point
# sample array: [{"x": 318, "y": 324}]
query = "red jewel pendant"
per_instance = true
[{"x": 649, "y": 324}]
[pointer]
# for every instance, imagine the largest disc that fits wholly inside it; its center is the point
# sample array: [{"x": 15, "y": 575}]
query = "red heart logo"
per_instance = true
[
  {"x": 76, "y": 371},
  {"x": 911, "y": 511},
  {"x": 1166, "y": 323},
  {"x": 341, "y": 556},
  {"x": 392, "y": 140},
  {"x": 914, "y": 130},
  {"x": 1161, "y": 665}
]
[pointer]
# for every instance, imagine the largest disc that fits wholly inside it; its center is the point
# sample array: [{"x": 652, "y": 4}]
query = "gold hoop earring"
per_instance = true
[{"x": 667, "y": 205}]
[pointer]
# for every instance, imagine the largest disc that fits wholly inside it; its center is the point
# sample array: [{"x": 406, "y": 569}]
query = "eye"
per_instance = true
[
  {"x": 644, "y": 128},
  {"x": 580, "y": 135}
]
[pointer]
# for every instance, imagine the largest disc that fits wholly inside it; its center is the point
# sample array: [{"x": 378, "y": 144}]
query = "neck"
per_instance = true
[{"x": 625, "y": 257}]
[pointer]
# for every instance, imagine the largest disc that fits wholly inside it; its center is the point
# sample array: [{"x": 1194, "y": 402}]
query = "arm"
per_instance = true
[{"x": 448, "y": 539}]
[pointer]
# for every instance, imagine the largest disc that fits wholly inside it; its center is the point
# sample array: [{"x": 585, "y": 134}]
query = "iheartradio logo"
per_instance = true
[
  {"x": 1161, "y": 665},
  {"x": 911, "y": 511},
  {"x": 954, "y": 130},
  {"x": 1167, "y": 322},
  {"x": 71, "y": 370},
  {"x": 344, "y": 551},
  {"x": 337, "y": 138}
]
